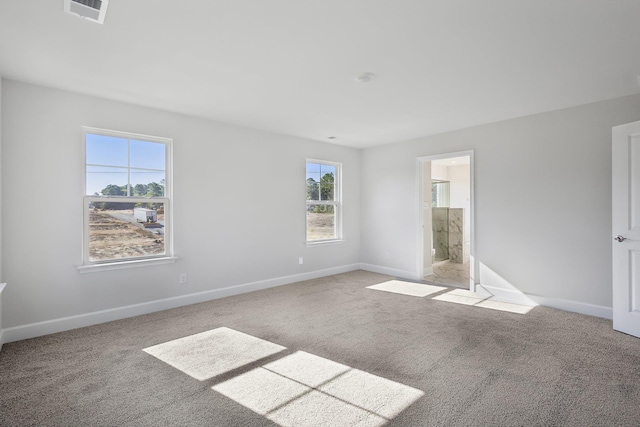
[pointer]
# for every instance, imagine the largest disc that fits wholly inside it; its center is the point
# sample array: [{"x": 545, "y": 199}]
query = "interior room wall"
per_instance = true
[
  {"x": 459, "y": 187},
  {"x": 239, "y": 206},
  {"x": 460, "y": 197},
  {"x": 541, "y": 181},
  {"x": 439, "y": 172},
  {"x": 542, "y": 202},
  {"x": 1, "y": 223}
]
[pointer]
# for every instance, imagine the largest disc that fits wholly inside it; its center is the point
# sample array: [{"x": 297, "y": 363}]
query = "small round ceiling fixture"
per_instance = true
[
  {"x": 332, "y": 137},
  {"x": 365, "y": 77}
]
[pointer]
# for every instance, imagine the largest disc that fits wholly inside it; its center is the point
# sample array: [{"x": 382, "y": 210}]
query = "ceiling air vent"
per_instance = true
[{"x": 93, "y": 10}]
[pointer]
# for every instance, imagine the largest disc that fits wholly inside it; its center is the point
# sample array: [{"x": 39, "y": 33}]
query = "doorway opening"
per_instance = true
[{"x": 446, "y": 219}]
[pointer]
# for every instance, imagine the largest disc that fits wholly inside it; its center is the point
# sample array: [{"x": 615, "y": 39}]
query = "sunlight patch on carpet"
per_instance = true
[
  {"x": 212, "y": 353},
  {"x": 464, "y": 297},
  {"x": 307, "y": 369},
  {"x": 317, "y": 409},
  {"x": 261, "y": 390},
  {"x": 407, "y": 288},
  {"x": 307, "y": 390},
  {"x": 375, "y": 394}
]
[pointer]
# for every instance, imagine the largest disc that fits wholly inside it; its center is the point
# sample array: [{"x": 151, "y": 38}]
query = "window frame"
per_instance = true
[
  {"x": 336, "y": 203},
  {"x": 167, "y": 199}
]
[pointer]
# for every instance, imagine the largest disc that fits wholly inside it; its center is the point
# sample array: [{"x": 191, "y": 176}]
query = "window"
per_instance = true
[
  {"x": 323, "y": 201},
  {"x": 127, "y": 201}
]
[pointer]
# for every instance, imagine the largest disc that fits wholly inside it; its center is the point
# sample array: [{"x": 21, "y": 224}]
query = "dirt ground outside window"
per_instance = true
[
  {"x": 320, "y": 226},
  {"x": 115, "y": 234}
]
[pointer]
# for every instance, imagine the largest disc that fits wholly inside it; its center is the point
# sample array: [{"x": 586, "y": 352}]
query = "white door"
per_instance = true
[{"x": 626, "y": 228}]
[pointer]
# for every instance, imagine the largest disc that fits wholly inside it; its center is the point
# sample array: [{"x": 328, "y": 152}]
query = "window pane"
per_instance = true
[
  {"x": 146, "y": 183},
  {"x": 313, "y": 171},
  {"x": 120, "y": 230},
  {"x": 313, "y": 189},
  {"x": 147, "y": 155},
  {"x": 327, "y": 169},
  {"x": 321, "y": 181},
  {"x": 327, "y": 182},
  {"x": 321, "y": 220},
  {"x": 106, "y": 181},
  {"x": 327, "y": 189},
  {"x": 106, "y": 150}
]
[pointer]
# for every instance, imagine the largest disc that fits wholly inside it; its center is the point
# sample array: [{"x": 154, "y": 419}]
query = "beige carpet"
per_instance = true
[{"x": 328, "y": 352}]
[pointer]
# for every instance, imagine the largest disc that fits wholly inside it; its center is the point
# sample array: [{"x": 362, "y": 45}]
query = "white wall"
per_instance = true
[
  {"x": 439, "y": 172},
  {"x": 542, "y": 199},
  {"x": 1, "y": 223},
  {"x": 249, "y": 234},
  {"x": 460, "y": 197},
  {"x": 2, "y": 286},
  {"x": 543, "y": 204},
  {"x": 459, "y": 186}
]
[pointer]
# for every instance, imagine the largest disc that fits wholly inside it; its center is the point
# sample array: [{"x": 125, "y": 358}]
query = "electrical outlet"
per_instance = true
[
  {"x": 300, "y": 260},
  {"x": 183, "y": 278}
]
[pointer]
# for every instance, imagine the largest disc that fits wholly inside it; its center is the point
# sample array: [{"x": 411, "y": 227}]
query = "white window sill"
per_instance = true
[
  {"x": 93, "y": 268},
  {"x": 325, "y": 242}
]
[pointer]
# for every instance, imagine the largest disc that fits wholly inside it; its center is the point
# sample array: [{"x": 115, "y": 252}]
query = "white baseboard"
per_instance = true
[
  {"x": 390, "y": 271},
  {"x": 516, "y": 297},
  {"x": 72, "y": 322},
  {"x": 506, "y": 295},
  {"x": 575, "y": 306}
]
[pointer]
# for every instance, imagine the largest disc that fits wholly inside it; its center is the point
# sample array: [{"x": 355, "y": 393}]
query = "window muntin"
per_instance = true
[
  {"x": 131, "y": 163},
  {"x": 323, "y": 201},
  {"x": 127, "y": 197}
]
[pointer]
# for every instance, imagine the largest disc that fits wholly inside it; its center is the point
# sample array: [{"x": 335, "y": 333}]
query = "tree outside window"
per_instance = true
[{"x": 323, "y": 201}]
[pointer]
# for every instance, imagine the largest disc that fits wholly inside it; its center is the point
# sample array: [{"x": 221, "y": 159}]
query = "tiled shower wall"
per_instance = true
[
  {"x": 448, "y": 234},
  {"x": 440, "y": 227},
  {"x": 456, "y": 235}
]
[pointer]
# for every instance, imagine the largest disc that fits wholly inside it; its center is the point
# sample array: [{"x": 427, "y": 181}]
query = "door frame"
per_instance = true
[{"x": 473, "y": 268}]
